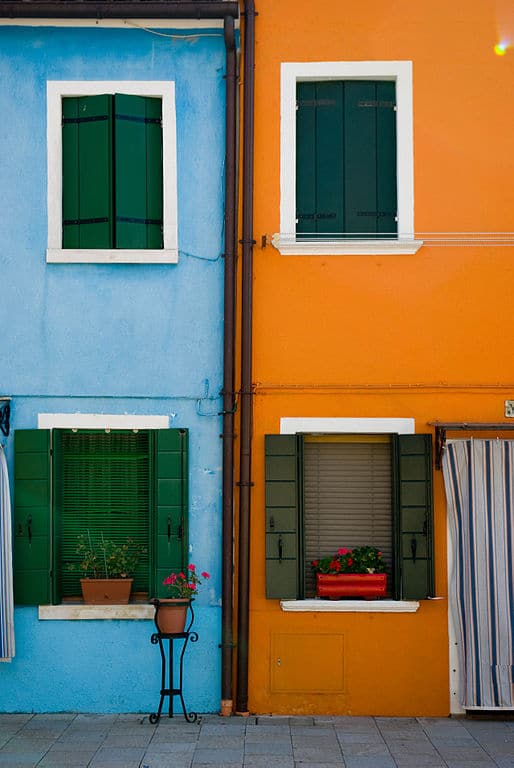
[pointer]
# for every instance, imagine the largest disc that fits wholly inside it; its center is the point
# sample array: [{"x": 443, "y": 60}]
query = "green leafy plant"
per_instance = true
[
  {"x": 356, "y": 560},
  {"x": 106, "y": 559},
  {"x": 185, "y": 584}
]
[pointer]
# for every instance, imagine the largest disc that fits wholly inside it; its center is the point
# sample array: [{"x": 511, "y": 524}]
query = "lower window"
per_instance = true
[
  {"x": 117, "y": 484},
  {"x": 327, "y": 492}
]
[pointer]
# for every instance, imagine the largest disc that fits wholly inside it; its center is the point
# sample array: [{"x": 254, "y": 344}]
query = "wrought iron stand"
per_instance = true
[{"x": 159, "y": 638}]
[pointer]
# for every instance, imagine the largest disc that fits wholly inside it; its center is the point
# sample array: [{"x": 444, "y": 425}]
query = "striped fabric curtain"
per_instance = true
[
  {"x": 6, "y": 582},
  {"x": 479, "y": 480}
]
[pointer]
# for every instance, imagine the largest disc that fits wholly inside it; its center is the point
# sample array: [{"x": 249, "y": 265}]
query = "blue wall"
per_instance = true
[{"x": 115, "y": 339}]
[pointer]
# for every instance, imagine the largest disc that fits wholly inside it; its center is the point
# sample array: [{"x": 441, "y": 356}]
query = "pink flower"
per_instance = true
[
  {"x": 344, "y": 551},
  {"x": 191, "y": 567},
  {"x": 205, "y": 575}
]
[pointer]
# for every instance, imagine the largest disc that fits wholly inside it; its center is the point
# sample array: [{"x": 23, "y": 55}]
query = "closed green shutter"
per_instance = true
[
  {"x": 32, "y": 519},
  {"x": 282, "y": 515},
  {"x": 346, "y": 158},
  {"x": 138, "y": 172},
  {"x": 171, "y": 504},
  {"x": 101, "y": 489},
  {"x": 413, "y": 497},
  {"x": 87, "y": 172}
]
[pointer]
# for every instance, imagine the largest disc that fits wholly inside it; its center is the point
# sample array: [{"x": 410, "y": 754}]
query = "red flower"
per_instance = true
[
  {"x": 205, "y": 575},
  {"x": 191, "y": 567},
  {"x": 344, "y": 551}
]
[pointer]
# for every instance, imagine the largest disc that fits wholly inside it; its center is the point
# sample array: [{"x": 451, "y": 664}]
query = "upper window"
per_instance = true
[
  {"x": 111, "y": 172},
  {"x": 346, "y": 158}
]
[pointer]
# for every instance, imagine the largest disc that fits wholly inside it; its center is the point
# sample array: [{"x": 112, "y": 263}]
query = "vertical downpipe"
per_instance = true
[
  {"x": 227, "y": 578},
  {"x": 245, "y": 482}
]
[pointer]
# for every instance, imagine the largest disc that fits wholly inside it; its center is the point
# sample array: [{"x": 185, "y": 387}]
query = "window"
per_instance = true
[
  {"x": 120, "y": 483},
  {"x": 111, "y": 172},
  {"x": 348, "y": 491},
  {"x": 346, "y": 158}
]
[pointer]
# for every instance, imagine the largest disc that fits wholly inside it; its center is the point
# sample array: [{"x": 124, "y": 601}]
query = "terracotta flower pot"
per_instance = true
[
  {"x": 171, "y": 614},
  {"x": 363, "y": 585},
  {"x": 106, "y": 591}
]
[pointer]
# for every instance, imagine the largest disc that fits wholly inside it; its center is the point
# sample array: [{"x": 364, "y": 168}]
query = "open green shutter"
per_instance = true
[
  {"x": 87, "y": 172},
  {"x": 32, "y": 518},
  {"x": 282, "y": 516},
  {"x": 138, "y": 172},
  {"x": 413, "y": 497},
  {"x": 171, "y": 505}
]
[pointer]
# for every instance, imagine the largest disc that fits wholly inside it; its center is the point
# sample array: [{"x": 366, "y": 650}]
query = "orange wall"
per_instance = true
[{"x": 424, "y": 336}]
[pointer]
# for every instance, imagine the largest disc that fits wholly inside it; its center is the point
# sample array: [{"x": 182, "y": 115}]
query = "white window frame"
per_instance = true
[
  {"x": 56, "y": 91},
  {"x": 399, "y": 72}
]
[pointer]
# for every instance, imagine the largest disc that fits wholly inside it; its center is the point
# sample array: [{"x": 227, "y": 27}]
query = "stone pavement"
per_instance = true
[{"x": 130, "y": 741}]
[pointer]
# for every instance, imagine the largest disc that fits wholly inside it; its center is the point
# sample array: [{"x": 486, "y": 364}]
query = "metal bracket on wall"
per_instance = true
[
  {"x": 5, "y": 414},
  {"x": 442, "y": 427}
]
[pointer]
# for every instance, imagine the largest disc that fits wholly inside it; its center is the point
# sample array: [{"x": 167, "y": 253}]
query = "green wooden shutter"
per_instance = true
[
  {"x": 171, "y": 505},
  {"x": 138, "y": 172},
  {"x": 413, "y": 501},
  {"x": 87, "y": 172},
  {"x": 319, "y": 158},
  {"x": 346, "y": 158},
  {"x": 101, "y": 488},
  {"x": 282, "y": 516},
  {"x": 32, "y": 519},
  {"x": 370, "y": 157}
]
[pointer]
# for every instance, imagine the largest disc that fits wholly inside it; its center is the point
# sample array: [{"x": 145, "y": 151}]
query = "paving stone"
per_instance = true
[
  {"x": 186, "y": 747},
  {"x": 356, "y": 761},
  {"x": 365, "y": 748},
  {"x": 268, "y": 748},
  {"x": 210, "y": 756},
  {"x": 264, "y": 761},
  {"x": 117, "y": 756},
  {"x": 162, "y": 760},
  {"x": 317, "y": 755},
  {"x": 61, "y": 759}
]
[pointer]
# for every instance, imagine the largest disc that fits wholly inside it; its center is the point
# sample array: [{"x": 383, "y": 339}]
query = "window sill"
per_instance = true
[
  {"x": 289, "y": 246},
  {"x": 351, "y": 606},
  {"x": 111, "y": 256},
  {"x": 80, "y": 612}
]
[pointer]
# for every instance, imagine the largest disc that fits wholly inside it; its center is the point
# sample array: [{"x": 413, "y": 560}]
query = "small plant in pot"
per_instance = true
[
  {"x": 108, "y": 568},
  {"x": 357, "y": 572},
  {"x": 171, "y": 612}
]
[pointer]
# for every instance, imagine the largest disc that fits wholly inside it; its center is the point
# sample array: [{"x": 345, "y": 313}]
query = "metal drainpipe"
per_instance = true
[
  {"x": 227, "y": 580},
  {"x": 245, "y": 482}
]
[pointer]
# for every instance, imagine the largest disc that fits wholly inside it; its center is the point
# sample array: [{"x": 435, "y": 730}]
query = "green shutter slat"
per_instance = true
[
  {"x": 171, "y": 505},
  {"x": 138, "y": 172},
  {"x": 413, "y": 500},
  {"x": 87, "y": 176},
  {"x": 305, "y": 158},
  {"x": 32, "y": 498},
  {"x": 102, "y": 486},
  {"x": 329, "y": 158},
  {"x": 360, "y": 149},
  {"x": 386, "y": 159},
  {"x": 282, "y": 516}
]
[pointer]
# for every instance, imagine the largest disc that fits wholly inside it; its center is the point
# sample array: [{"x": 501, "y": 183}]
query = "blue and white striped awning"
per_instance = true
[{"x": 6, "y": 582}]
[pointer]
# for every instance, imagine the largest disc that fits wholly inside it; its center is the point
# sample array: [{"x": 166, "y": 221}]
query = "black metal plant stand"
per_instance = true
[{"x": 159, "y": 638}]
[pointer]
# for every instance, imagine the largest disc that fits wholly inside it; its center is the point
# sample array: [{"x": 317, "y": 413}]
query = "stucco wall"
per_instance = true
[{"x": 117, "y": 339}]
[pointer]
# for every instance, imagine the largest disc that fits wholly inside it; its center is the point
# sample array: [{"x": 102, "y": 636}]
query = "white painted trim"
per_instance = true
[
  {"x": 56, "y": 91},
  {"x": 292, "y": 425},
  {"x": 110, "y": 256},
  {"x": 398, "y": 71},
  {"x": 72, "y": 612},
  {"x": 100, "y": 421},
  {"x": 119, "y": 23},
  {"x": 350, "y": 606},
  {"x": 287, "y": 245}
]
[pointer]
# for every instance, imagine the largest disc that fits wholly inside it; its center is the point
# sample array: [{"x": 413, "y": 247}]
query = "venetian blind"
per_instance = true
[{"x": 347, "y": 499}]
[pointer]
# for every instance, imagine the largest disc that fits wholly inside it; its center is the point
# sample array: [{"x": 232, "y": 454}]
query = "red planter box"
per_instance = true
[{"x": 364, "y": 585}]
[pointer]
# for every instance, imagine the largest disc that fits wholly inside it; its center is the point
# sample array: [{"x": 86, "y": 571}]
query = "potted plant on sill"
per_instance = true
[
  {"x": 357, "y": 572},
  {"x": 171, "y": 612},
  {"x": 108, "y": 567}
]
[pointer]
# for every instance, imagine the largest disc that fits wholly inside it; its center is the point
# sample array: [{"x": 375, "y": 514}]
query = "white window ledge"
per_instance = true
[
  {"x": 111, "y": 256},
  {"x": 351, "y": 606},
  {"x": 288, "y": 246},
  {"x": 80, "y": 612}
]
